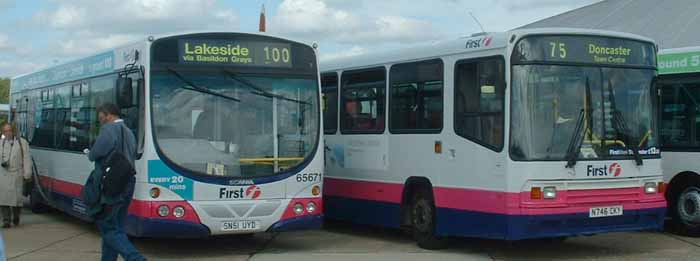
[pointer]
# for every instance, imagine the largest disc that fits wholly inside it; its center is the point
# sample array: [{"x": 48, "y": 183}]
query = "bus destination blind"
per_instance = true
[
  {"x": 584, "y": 49},
  {"x": 234, "y": 53}
]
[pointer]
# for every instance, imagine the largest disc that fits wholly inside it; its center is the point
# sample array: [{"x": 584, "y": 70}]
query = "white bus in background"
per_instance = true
[
  {"x": 228, "y": 129},
  {"x": 524, "y": 134},
  {"x": 679, "y": 118}
]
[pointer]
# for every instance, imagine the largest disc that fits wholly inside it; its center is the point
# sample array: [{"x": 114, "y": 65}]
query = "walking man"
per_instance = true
[
  {"x": 15, "y": 171},
  {"x": 110, "y": 211}
]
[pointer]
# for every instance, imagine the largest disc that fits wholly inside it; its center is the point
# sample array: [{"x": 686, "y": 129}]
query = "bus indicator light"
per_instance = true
[
  {"x": 316, "y": 190},
  {"x": 536, "y": 193},
  {"x": 662, "y": 187},
  {"x": 155, "y": 193},
  {"x": 438, "y": 147}
]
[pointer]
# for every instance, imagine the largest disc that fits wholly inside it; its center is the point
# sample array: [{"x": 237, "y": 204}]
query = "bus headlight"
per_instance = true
[
  {"x": 311, "y": 207},
  {"x": 650, "y": 187},
  {"x": 298, "y": 208},
  {"x": 550, "y": 192},
  {"x": 179, "y": 212},
  {"x": 163, "y": 210}
]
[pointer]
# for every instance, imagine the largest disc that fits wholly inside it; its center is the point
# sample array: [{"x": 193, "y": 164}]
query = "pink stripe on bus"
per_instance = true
[
  {"x": 366, "y": 190},
  {"x": 498, "y": 202},
  {"x": 63, "y": 187}
]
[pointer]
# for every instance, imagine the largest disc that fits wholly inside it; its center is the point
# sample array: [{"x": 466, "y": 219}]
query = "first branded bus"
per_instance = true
[
  {"x": 227, "y": 124},
  {"x": 679, "y": 117},
  {"x": 542, "y": 133}
]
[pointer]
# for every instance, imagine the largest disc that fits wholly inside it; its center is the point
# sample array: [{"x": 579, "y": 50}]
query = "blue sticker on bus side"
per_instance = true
[
  {"x": 87, "y": 67},
  {"x": 160, "y": 174}
]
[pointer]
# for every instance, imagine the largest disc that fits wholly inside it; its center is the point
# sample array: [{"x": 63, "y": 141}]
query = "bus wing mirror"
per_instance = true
[{"x": 125, "y": 92}]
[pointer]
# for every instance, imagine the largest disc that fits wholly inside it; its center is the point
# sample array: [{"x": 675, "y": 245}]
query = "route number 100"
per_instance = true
[{"x": 277, "y": 54}]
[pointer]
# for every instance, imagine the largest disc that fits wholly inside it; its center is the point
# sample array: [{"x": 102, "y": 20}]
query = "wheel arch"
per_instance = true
[
  {"x": 411, "y": 186},
  {"x": 676, "y": 184}
]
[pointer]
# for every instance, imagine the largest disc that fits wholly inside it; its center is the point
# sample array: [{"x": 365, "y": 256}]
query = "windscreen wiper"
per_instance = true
[
  {"x": 575, "y": 142},
  {"x": 199, "y": 89},
  {"x": 258, "y": 90},
  {"x": 579, "y": 132},
  {"x": 620, "y": 125}
]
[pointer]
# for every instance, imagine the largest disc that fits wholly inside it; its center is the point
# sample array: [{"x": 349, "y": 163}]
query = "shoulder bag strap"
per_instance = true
[{"x": 21, "y": 153}]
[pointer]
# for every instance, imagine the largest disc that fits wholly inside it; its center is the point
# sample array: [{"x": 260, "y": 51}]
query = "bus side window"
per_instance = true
[
  {"x": 679, "y": 126},
  {"x": 363, "y": 99},
  {"x": 479, "y": 91},
  {"x": 416, "y": 103},
  {"x": 329, "y": 85},
  {"x": 101, "y": 91},
  {"x": 45, "y": 125}
]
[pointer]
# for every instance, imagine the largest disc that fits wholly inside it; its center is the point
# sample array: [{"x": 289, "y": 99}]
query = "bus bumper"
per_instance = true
[
  {"x": 298, "y": 223},
  {"x": 164, "y": 228},
  {"x": 565, "y": 225},
  {"x": 453, "y": 222}
]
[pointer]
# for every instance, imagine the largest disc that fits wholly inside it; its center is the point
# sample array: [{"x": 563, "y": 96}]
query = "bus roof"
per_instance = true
[
  {"x": 679, "y": 60},
  {"x": 476, "y": 43},
  {"x": 100, "y": 63},
  {"x": 679, "y": 50}
]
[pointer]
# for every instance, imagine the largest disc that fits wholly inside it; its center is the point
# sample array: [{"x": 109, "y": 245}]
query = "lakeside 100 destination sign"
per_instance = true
[{"x": 235, "y": 53}]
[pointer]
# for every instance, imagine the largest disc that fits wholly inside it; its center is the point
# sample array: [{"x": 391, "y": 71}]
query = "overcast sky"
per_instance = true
[{"x": 40, "y": 33}]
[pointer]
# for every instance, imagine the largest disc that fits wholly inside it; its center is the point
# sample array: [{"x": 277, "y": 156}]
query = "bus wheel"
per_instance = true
[
  {"x": 423, "y": 221},
  {"x": 687, "y": 211}
]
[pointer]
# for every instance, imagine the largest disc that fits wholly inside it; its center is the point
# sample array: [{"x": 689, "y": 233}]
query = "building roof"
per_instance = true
[{"x": 671, "y": 23}]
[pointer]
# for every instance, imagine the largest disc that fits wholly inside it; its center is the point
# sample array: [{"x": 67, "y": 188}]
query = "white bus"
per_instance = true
[
  {"x": 228, "y": 129},
  {"x": 679, "y": 118},
  {"x": 525, "y": 134}
]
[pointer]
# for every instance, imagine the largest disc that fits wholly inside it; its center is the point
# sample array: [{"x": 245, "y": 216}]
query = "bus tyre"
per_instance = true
[
  {"x": 423, "y": 222},
  {"x": 686, "y": 211}
]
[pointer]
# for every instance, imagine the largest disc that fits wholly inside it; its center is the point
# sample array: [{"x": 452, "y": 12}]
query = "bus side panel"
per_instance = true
[
  {"x": 674, "y": 163},
  {"x": 371, "y": 203},
  {"x": 65, "y": 173},
  {"x": 351, "y": 161}
]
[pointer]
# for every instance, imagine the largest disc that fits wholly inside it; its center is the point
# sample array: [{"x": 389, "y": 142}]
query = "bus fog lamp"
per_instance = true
[
  {"x": 155, "y": 193},
  {"x": 163, "y": 210},
  {"x": 179, "y": 212},
  {"x": 550, "y": 192},
  {"x": 650, "y": 187},
  {"x": 311, "y": 207},
  {"x": 298, "y": 208}
]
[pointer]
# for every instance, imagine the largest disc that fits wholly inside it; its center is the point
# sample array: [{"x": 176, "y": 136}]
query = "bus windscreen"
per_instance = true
[{"x": 584, "y": 50}]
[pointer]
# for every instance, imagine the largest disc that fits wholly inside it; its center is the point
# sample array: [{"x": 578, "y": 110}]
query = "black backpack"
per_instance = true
[{"x": 117, "y": 171}]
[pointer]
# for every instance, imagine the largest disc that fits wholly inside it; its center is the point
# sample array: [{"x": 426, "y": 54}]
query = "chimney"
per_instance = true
[{"x": 261, "y": 27}]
